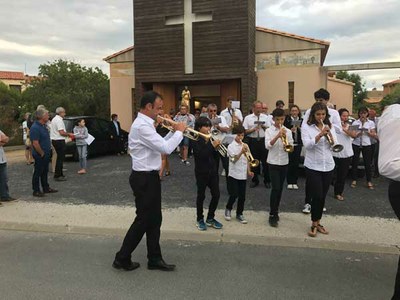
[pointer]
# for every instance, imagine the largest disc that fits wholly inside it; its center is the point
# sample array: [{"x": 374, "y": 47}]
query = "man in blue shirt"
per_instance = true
[{"x": 41, "y": 149}]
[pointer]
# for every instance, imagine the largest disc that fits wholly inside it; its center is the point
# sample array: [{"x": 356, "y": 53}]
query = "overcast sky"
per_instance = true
[{"x": 34, "y": 32}]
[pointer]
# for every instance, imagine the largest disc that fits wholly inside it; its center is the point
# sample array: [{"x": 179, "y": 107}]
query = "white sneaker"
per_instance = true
[
  {"x": 290, "y": 186},
  {"x": 295, "y": 186},
  {"x": 307, "y": 208},
  {"x": 324, "y": 209},
  {"x": 227, "y": 215},
  {"x": 223, "y": 173}
]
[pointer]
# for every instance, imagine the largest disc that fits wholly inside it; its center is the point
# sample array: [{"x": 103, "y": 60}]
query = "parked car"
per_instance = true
[{"x": 100, "y": 129}]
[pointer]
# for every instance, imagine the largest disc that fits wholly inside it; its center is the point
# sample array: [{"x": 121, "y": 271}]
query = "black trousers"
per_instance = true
[
  {"x": 367, "y": 157},
  {"x": 319, "y": 183},
  {"x": 236, "y": 190},
  {"x": 278, "y": 175},
  {"x": 212, "y": 182},
  {"x": 293, "y": 168},
  {"x": 146, "y": 188},
  {"x": 59, "y": 146},
  {"x": 258, "y": 150},
  {"x": 375, "y": 155},
  {"x": 394, "y": 198},
  {"x": 40, "y": 172},
  {"x": 307, "y": 199},
  {"x": 342, "y": 169}
]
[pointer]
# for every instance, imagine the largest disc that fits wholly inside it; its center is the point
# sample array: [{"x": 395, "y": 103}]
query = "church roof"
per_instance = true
[
  {"x": 12, "y": 75},
  {"x": 118, "y": 53},
  {"x": 392, "y": 82}
]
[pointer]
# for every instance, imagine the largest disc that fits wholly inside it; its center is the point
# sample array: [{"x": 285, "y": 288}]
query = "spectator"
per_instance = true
[
  {"x": 26, "y": 139},
  {"x": 4, "y": 192},
  {"x": 115, "y": 129},
  {"x": 280, "y": 104},
  {"x": 81, "y": 134}
]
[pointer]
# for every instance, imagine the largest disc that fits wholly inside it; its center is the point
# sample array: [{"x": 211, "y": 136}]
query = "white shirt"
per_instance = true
[
  {"x": 57, "y": 124},
  {"x": 238, "y": 169},
  {"x": 225, "y": 138},
  {"x": 228, "y": 115},
  {"x": 389, "y": 139},
  {"x": 363, "y": 139},
  {"x": 24, "y": 129},
  {"x": 248, "y": 123},
  {"x": 3, "y": 159},
  {"x": 318, "y": 156},
  {"x": 276, "y": 153},
  {"x": 334, "y": 118},
  {"x": 146, "y": 145},
  {"x": 346, "y": 141}
]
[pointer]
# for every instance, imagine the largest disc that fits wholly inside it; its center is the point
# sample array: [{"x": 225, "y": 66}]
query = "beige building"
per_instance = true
[
  {"x": 14, "y": 80},
  {"x": 389, "y": 87},
  {"x": 288, "y": 67}
]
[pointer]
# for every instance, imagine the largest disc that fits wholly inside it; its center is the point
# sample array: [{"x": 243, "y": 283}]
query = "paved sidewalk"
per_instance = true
[{"x": 351, "y": 233}]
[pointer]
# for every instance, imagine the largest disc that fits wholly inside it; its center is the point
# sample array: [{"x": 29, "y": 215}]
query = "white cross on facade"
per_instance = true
[{"x": 187, "y": 20}]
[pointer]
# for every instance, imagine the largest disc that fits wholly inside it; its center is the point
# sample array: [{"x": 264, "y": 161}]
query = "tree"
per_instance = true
[
  {"x": 9, "y": 112},
  {"x": 80, "y": 90},
  {"x": 393, "y": 97},
  {"x": 359, "y": 91}
]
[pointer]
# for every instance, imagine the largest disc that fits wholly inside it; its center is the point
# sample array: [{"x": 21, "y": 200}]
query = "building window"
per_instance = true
[{"x": 291, "y": 93}]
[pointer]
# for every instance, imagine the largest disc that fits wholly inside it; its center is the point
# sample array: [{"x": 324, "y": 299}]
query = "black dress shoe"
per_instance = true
[
  {"x": 273, "y": 221},
  {"x": 38, "y": 194},
  {"x": 9, "y": 199},
  {"x": 160, "y": 265},
  {"x": 267, "y": 185},
  {"x": 253, "y": 184},
  {"x": 60, "y": 178},
  {"x": 50, "y": 190},
  {"x": 127, "y": 266}
]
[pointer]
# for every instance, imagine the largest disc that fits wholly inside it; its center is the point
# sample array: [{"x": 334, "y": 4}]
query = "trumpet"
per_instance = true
[
  {"x": 254, "y": 163},
  {"x": 285, "y": 141},
  {"x": 189, "y": 132},
  {"x": 221, "y": 148},
  {"x": 334, "y": 147}
]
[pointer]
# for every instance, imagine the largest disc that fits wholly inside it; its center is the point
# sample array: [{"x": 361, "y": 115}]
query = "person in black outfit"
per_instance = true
[{"x": 115, "y": 129}]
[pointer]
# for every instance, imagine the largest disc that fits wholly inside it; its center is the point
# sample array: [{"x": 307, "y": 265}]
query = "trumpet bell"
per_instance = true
[
  {"x": 337, "y": 148},
  {"x": 289, "y": 148},
  {"x": 254, "y": 163}
]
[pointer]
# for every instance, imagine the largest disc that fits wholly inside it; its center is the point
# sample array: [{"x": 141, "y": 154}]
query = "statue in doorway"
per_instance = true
[{"x": 185, "y": 99}]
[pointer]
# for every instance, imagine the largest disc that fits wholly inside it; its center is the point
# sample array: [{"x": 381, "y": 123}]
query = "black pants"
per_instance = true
[
  {"x": 59, "y": 146},
  {"x": 212, "y": 182},
  {"x": 293, "y": 168},
  {"x": 307, "y": 199},
  {"x": 342, "y": 169},
  {"x": 258, "y": 150},
  {"x": 318, "y": 187},
  {"x": 375, "y": 155},
  {"x": 394, "y": 198},
  {"x": 236, "y": 190},
  {"x": 278, "y": 175},
  {"x": 367, "y": 157},
  {"x": 146, "y": 188},
  {"x": 40, "y": 172}
]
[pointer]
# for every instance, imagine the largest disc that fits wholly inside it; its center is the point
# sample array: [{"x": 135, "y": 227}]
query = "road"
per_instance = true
[
  {"x": 54, "y": 266},
  {"x": 107, "y": 183}
]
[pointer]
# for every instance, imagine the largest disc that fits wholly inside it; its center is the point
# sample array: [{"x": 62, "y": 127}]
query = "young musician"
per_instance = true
[
  {"x": 185, "y": 117},
  {"x": 255, "y": 125},
  {"x": 206, "y": 171},
  {"x": 239, "y": 168},
  {"x": 277, "y": 160},
  {"x": 343, "y": 158},
  {"x": 362, "y": 143},
  {"x": 145, "y": 147},
  {"x": 318, "y": 162},
  {"x": 293, "y": 122}
]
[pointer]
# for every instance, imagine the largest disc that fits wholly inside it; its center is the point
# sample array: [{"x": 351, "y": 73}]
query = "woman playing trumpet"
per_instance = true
[{"x": 318, "y": 162}]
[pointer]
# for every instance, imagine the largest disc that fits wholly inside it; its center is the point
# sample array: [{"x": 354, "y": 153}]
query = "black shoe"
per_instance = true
[
  {"x": 160, "y": 265},
  {"x": 267, "y": 185},
  {"x": 49, "y": 191},
  {"x": 9, "y": 199},
  {"x": 60, "y": 178},
  {"x": 253, "y": 184},
  {"x": 128, "y": 266},
  {"x": 38, "y": 194},
  {"x": 273, "y": 221}
]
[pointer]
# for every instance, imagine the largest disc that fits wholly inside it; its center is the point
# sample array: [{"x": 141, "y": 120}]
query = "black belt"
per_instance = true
[{"x": 146, "y": 172}]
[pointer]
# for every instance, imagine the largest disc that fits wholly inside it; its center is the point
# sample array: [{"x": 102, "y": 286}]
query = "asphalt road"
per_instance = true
[
  {"x": 53, "y": 266},
  {"x": 107, "y": 184}
]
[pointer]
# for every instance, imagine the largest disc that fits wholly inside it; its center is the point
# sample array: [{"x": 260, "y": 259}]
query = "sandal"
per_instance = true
[
  {"x": 313, "y": 231},
  {"x": 339, "y": 197},
  {"x": 353, "y": 184},
  {"x": 321, "y": 229},
  {"x": 370, "y": 186}
]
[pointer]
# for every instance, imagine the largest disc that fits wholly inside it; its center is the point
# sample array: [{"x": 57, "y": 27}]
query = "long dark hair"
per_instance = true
[{"x": 316, "y": 107}]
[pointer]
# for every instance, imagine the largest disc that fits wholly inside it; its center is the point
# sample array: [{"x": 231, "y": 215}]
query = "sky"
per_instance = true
[{"x": 37, "y": 32}]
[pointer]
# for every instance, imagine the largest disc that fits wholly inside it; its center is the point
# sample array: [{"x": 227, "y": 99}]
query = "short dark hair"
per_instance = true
[
  {"x": 363, "y": 109},
  {"x": 278, "y": 112},
  {"x": 322, "y": 94},
  {"x": 113, "y": 116},
  {"x": 318, "y": 106},
  {"x": 78, "y": 121},
  {"x": 342, "y": 110},
  {"x": 149, "y": 97},
  {"x": 298, "y": 108},
  {"x": 280, "y": 102},
  {"x": 238, "y": 129},
  {"x": 202, "y": 122}
]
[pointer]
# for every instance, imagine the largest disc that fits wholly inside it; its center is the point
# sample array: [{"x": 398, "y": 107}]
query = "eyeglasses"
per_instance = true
[{"x": 212, "y": 110}]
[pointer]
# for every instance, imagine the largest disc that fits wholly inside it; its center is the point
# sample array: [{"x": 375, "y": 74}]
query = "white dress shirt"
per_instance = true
[
  {"x": 346, "y": 141},
  {"x": 227, "y": 114},
  {"x": 334, "y": 117},
  {"x": 225, "y": 138},
  {"x": 24, "y": 129},
  {"x": 364, "y": 139},
  {"x": 238, "y": 169},
  {"x": 276, "y": 154},
  {"x": 318, "y": 156},
  {"x": 57, "y": 124},
  {"x": 389, "y": 139},
  {"x": 248, "y": 123},
  {"x": 146, "y": 145}
]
